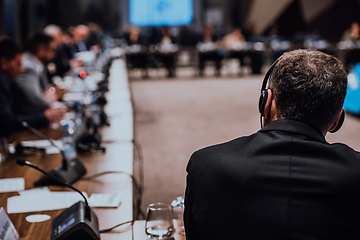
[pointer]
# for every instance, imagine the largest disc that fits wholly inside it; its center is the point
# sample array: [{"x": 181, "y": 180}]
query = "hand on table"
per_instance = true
[{"x": 54, "y": 115}]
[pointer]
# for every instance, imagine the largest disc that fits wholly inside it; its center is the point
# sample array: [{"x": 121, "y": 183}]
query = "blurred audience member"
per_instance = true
[
  {"x": 61, "y": 62},
  {"x": 276, "y": 41},
  {"x": 167, "y": 51},
  {"x": 352, "y": 34},
  {"x": 33, "y": 81},
  {"x": 10, "y": 117},
  {"x": 209, "y": 50},
  {"x": 136, "y": 54},
  {"x": 234, "y": 43},
  {"x": 234, "y": 40},
  {"x": 93, "y": 41},
  {"x": 80, "y": 35},
  {"x": 77, "y": 41},
  {"x": 352, "y": 54}
]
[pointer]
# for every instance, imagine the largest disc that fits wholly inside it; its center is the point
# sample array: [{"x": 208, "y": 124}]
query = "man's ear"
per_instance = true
[
  {"x": 336, "y": 122},
  {"x": 268, "y": 104},
  {"x": 270, "y": 111}
]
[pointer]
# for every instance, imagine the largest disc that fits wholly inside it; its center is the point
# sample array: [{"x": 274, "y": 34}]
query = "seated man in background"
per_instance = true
[
  {"x": 61, "y": 61},
  {"x": 166, "y": 52},
  {"x": 137, "y": 55},
  {"x": 10, "y": 117},
  {"x": 33, "y": 82},
  {"x": 78, "y": 37},
  {"x": 235, "y": 43},
  {"x": 285, "y": 181},
  {"x": 209, "y": 50}
]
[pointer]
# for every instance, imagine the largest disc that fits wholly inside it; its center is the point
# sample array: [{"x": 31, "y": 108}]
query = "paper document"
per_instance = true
[
  {"x": 43, "y": 201},
  {"x": 12, "y": 184},
  {"x": 34, "y": 191},
  {"x": 7, "y": 229},
  {"x": 50, "y": 149},
  {"x": 105, "y": 200}
]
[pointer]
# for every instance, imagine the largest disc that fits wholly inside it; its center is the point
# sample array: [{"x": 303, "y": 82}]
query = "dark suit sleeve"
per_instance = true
[
  {"x": 188, "y": 217},
  {"x": 11, "y": 122}
]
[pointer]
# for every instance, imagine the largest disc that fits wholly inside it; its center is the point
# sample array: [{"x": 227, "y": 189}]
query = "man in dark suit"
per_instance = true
[
  {"x": 285, "y": 181},
  {"x": 10, "y": 115}
]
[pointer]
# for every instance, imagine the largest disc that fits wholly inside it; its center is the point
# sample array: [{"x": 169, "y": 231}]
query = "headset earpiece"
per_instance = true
[
  {"x": 340, "y": 123},
  {"x": 264, "y": 92},
  {"x": 262, "y": 102}
]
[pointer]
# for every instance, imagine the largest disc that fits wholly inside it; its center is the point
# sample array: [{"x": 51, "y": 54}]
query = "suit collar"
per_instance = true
[{"x": 294, "y": 126}]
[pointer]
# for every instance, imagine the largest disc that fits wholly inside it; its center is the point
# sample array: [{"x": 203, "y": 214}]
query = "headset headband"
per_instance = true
[{"x": 268, "y": 74}]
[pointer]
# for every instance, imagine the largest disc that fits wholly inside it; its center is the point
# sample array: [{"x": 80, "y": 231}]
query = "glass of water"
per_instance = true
[{"x": 159, "y": 222}]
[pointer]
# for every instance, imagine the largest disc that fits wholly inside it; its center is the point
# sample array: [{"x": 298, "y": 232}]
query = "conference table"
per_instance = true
[{"x": 118, "y": 141}]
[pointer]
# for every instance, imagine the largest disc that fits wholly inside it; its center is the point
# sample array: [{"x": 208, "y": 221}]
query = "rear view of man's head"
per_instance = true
[
  {"x": 309, "y": 86},
  {"x": 10, "y": 58}
]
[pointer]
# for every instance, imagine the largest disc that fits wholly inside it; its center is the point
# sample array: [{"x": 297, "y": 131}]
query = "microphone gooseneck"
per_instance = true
[
  {"x": 44, "y": 137},
  {"x": 23, "y": 162}
]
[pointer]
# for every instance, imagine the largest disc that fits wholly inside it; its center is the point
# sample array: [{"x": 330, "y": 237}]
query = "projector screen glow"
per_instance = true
[{"x": 160, "y": 12}]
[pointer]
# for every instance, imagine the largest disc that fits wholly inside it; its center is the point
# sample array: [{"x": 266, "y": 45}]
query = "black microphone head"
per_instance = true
[{"x": 21, "y": 162}]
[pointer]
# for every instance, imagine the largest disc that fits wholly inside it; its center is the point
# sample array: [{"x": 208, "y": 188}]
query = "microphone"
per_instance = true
[
  {"x": 70, "y": 171},
  {"x": 43, "y": 136},
  {"x": 78, "y": 220}
]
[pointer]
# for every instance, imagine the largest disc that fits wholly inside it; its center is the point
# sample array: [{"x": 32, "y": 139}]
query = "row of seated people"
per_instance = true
[
  {"x": 210, "y": 48},
  {"x": 26, "y": 91}
]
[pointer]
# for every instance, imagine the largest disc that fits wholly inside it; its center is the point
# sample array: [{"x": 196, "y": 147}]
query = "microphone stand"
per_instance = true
[
  {"x": 83, "y": 221},
  {"x": 70, "y": 170}
]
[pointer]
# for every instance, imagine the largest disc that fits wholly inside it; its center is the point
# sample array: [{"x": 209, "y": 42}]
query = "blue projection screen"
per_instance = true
[{"x": 160, "y": 12}]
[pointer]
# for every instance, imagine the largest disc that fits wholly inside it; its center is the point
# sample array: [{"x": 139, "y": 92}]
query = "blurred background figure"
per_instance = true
[
  {"x": 33, "y": 81},
  {"x": 210, "y": 50},
  {"x": 167, "y": 51},
  {"x": 234, "y": 40},
  {"x": 136, "y": 52},
  {"x": 77, "y": 41},
  {"x": 351, "y": 36},
  {"x": 80, "y": 36},
  {"x": 61, "y": 61},
  {"x": 11, "y": 114},
  {"x": 234, "y": 43},
  {"x": 95, "y": 37},
  {"x": 353, "y": 33}
]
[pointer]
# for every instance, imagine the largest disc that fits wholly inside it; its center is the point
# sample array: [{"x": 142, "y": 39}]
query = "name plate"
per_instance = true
[{"x": 7, "y": 229}]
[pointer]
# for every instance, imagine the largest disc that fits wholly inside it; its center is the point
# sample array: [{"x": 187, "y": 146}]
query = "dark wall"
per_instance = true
[
  {"x": 67, "y": 13},
  {"x": 2, "y": 17},
  {"x": 332, "y": 23},
  {"x": 291, "y": 22}
]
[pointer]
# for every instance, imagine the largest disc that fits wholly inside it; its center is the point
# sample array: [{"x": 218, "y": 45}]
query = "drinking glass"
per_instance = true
[{"x": 159, "y": 222}]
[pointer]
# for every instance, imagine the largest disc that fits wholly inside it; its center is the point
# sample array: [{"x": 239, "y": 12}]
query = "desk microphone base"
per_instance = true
[
  {"x": 75, "y": 170},
  {"x": 72, "y": 225}
]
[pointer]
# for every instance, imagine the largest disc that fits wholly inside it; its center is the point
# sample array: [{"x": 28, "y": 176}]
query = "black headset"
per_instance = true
[{"x": 264, "y": 96}]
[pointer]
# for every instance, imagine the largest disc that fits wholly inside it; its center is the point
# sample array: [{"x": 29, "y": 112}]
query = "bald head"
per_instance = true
[{"x": 81, "y": 32}]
